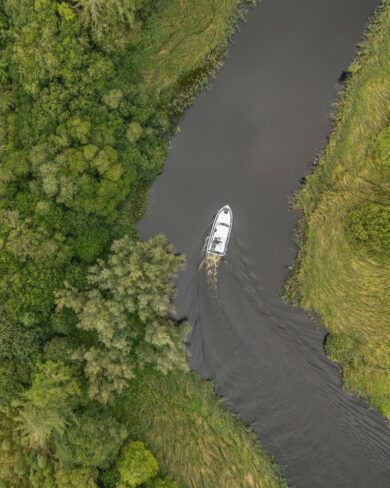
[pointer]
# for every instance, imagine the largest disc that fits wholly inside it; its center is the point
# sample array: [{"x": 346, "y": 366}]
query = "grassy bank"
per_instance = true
[
  {"x": 343, "y": 267},
  {"x": 194, "y": 438},
  {"x": 180, "y": 38}
]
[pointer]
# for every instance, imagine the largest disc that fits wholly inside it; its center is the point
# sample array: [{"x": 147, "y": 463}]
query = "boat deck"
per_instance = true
[{"x": 220, "y": 232}]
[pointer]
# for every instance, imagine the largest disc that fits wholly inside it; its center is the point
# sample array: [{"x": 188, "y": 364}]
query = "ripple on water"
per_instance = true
[{"x": 267, "y": 361}]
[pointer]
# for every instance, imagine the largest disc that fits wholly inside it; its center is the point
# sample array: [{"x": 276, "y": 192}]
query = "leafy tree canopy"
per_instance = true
[
  {"x": 92, "y": 440},
  {"x": 45, "y": 409},
  {"x": 126, "y": 308}
]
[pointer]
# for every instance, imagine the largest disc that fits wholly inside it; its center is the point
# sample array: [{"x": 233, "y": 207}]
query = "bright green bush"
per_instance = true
[
  {"x": 136, "y": 465},
  {"x": 368, "y": 226}
]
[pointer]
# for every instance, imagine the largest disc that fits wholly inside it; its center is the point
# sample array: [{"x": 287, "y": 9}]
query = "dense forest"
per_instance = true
[{"x": 91, "y": 93}]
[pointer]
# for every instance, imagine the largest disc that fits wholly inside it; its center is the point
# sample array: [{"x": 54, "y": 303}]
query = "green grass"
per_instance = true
[
  {"x": 345, "y": 285},
  {"x": 193, "y": 436},
  {"x": 183, "y": 36}
]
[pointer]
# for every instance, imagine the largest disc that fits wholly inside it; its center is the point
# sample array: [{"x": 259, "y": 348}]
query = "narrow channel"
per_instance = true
[{"x": 247, "y": 143}]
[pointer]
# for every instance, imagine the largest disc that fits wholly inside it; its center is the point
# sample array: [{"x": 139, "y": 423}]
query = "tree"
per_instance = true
[
  {"x": 13, "y": 378},
  {"x": 127, "y": 304},
  {"x": 45, "y": 472},
  {"x": 136, "y": 465},
  {"x": 46, "y": 409},
  {"x": 70, "y": 477},
  {"x": 18, "y": 342},
  {"x": 91, "y": 243},
  {"x": 93, "y": 440},
  {"x": 140, "y": 274},
  {"x": 41, "y": 472},
  {"x": 14, "y": 467},
  {"x": 108, "y": 371}
]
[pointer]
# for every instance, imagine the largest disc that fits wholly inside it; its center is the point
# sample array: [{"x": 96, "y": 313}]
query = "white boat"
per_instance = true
[{"x": 218, "y": 239}]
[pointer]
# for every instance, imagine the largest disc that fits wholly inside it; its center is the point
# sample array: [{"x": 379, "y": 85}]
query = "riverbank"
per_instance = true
[
  {"x": 342, "y": 269},
  {"x": 192, "y": 434}
]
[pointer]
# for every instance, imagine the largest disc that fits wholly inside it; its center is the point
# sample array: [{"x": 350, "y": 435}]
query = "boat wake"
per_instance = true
[{"x": 267, "y": 361}]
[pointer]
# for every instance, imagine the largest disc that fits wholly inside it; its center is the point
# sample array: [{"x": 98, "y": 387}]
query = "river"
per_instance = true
[{"x": 248, "y": 142}]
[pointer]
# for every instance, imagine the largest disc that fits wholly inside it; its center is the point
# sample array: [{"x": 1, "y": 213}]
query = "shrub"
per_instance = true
[
  {"x": 91, "y": 243},
  {"x": 343, "y": 349},
  {"x": 92, "y": 440},
  {"x": 382, "y": 147},
  {"x": 136, "y": 465},
  {"x": 368, "y": 226},
  {"x": 17, "y": 342}
]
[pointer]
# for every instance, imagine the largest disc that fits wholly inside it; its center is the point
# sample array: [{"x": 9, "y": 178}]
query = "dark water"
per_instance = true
[{"x": 247, "y": 143}]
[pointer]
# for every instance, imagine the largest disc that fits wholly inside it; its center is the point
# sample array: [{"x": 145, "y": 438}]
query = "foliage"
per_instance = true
[
  {"x": 126, "y": 306},
  {"x": 66, "y": 164},
  {"x": 91, "y": 243},
  {"x": 344, "y": 349},
  {"x": 17, "y": 342},
  {"x": 92, "y": 440},
  {"x": 140, "y": 274},
  {"x": 61, "y": 349},
  {"x": 115, "y": 24},
  {"x": 26, "y": 289},
  {"x": 136, "y": 465},
  {"x": 14, "y": 467},
  {"x": 368, "y": 225},
  {"x": 14, "y": 376},
  {"x": 41, "y": 473},
  {"x": 345, "y": 201},
  {"x": 45, "y": 409},
  {"x": 382, "y": 147},
  {"x": 70, "y": 477},
  {"x": 44, "y": 472}
]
